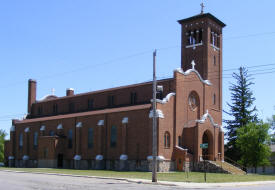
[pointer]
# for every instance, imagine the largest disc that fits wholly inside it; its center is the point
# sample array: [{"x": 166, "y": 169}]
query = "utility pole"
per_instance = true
[{"x": 154, "y": 148}]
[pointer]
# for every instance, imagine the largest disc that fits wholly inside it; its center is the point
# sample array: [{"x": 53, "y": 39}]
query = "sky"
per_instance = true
[{"x": 90, "y": 45}]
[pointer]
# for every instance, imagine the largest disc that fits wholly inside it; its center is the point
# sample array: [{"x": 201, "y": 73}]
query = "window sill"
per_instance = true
[
  {"x": 194, "y": 45},
  {"x": 215, "y": 47},
  {"x": 217, "y": 110}
]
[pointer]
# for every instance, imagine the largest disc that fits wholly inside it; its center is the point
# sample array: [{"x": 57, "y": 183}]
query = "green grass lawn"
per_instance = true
[{"x": 173, "y": 176}]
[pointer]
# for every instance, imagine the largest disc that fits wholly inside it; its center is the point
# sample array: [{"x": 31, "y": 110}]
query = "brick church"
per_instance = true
[{"x": 112, "y": 128}]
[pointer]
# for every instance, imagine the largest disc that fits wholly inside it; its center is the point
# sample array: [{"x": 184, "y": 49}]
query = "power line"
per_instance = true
[
  {"x": 160, "y": 78},
  {"x": 249, "y": 35},
  {"x": 11, "y": 115}
]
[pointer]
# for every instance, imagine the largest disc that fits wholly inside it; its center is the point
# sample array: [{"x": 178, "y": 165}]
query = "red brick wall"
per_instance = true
[{"x": 122, "y": 98}]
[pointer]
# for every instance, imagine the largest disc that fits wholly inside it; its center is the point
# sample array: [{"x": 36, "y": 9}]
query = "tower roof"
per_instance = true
[{"x": 206, "y": 15}]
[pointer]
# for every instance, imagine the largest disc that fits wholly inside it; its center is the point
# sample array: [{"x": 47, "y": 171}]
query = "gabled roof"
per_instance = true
[{"x": 206, "y": 15}]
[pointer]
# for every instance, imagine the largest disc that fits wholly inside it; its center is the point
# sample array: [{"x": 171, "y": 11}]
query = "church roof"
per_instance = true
[
  {"x": 88, "y": 113},
  {"x": 206, "y": 15},
  {"x": 102, "y": 91}
]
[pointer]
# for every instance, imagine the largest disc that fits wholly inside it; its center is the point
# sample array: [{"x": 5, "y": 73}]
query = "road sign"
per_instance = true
[{"x": 204, "y": 145}]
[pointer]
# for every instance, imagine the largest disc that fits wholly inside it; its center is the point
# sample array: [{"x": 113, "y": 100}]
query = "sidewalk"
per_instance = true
[{"x": 166, "y": 183}]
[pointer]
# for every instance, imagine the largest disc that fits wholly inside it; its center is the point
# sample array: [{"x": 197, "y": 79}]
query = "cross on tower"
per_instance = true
[
  {"x": 193, "y": 64},
  {"x": 53, "y": 91},
  {"x": 202, "y": 6}
]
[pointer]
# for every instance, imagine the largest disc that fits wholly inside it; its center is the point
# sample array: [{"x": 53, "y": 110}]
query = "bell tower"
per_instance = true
[{"x": 201, "y": 41}]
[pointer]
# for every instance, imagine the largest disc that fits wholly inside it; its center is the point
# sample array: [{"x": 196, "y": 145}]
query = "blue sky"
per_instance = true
[{"x": 89, "y": 45}]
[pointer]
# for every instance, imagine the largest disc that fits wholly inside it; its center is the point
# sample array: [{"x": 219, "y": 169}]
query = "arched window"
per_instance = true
[
  {"x": 70, "y": 138},
  {"x": 20, "y": 140},
  {"x": 113, "y": 136},
  {"x": 35, "y": 140},
  {"x": 166, "y": 139},
  {"x": 90, "y": 138}
]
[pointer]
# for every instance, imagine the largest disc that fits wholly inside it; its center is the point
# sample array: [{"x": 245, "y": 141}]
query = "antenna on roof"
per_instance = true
[{"x": 202, "y": 7}]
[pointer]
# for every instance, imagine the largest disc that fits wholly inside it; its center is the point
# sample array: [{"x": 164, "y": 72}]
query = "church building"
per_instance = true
[{"x": 112, "y": 128}]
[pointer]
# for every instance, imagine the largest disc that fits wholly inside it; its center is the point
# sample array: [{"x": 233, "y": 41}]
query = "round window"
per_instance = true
[{"x": 193, "y": 101}]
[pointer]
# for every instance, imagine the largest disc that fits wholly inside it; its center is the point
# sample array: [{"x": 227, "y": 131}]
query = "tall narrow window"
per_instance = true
[
  {"x": 200, "y": 36},
  {"x": 90, "y": 104},
  {"x": 90, "y": 138},
  {"x": 159, "y": 95},
  {"x": 188, "y": 37},
  {"x": 55, "y": 109},
  {"x": 214, "y": 99},
  {"x": 70, "y": 138},
  {"x": 166, "y": 139},
  {"x": 45, "y": 152},
  {"x": 113, "y": 136},
  {"x": 133, "y": 98},
  {"x": 71, "y": 107},
  {"x": 20, "y": 140},
  {"x": 111, "y": 101},
  {"x": 179, "y": 141},
  {"x": 35, "y": 140},
  {"x": 214, "y": 60},
  {"x": 39, "y": 111},
  {"x": 213, "y": 38}
]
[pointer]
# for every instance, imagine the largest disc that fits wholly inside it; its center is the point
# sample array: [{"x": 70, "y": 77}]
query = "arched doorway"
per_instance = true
[{"x": 207, "y": 138}]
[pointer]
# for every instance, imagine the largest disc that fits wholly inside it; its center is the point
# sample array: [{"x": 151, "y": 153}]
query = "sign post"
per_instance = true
[{"x": 204, "y": 146}]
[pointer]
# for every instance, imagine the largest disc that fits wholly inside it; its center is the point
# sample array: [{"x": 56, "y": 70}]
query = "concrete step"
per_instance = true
[{"x": 229, "y": 167}]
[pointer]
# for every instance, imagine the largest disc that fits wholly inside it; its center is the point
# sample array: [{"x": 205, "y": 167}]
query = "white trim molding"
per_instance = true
[
  {"x": 166, "y": 99},
  {"x": 125, "y": 120},
  {"x": 77, "y": 157},
  {"x": 189, "y": 71},
  {"x": 205, "y": 116},
  {"x": 159, "y": 158},
  {"x": 100, "y": 123},
  {"x": 47, "y": 97},
  {"x": 25, "y": 157},
  {"x": 184, "y": 149},
  {"x": 215, "y": 47},
  {"x": 11, "y": 158},
  {"x": 42, "y": 128},
  {"x": 12, "y": 129},
  {"x": 79, "y": 124},
  {"x": 194, "y": 45},
  {"x": 158, "y": 114},
  {"x": 27, "y": 130},
  {"x": 59, "y": 126},
  {"x": 123, "y": 157},
  {"x": 99, "y": 157}
]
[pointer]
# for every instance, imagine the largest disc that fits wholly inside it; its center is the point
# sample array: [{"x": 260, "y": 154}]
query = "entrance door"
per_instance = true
[
  {"x": 60, "y": 161},
  {"x": 180, "y": 163},
  {"x": 205, "y": 151}
]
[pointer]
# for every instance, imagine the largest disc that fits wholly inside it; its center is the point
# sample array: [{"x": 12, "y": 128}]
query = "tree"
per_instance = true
[
  {"x": 2, "y": 141},
  {"x": 271, "y": 121},
  {"x": 242, "y": 110},
  {"x": 253, "y": 143}
]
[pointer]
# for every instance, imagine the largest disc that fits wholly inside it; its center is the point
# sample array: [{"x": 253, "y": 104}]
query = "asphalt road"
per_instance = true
[{"x": 28, "y": 181}]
